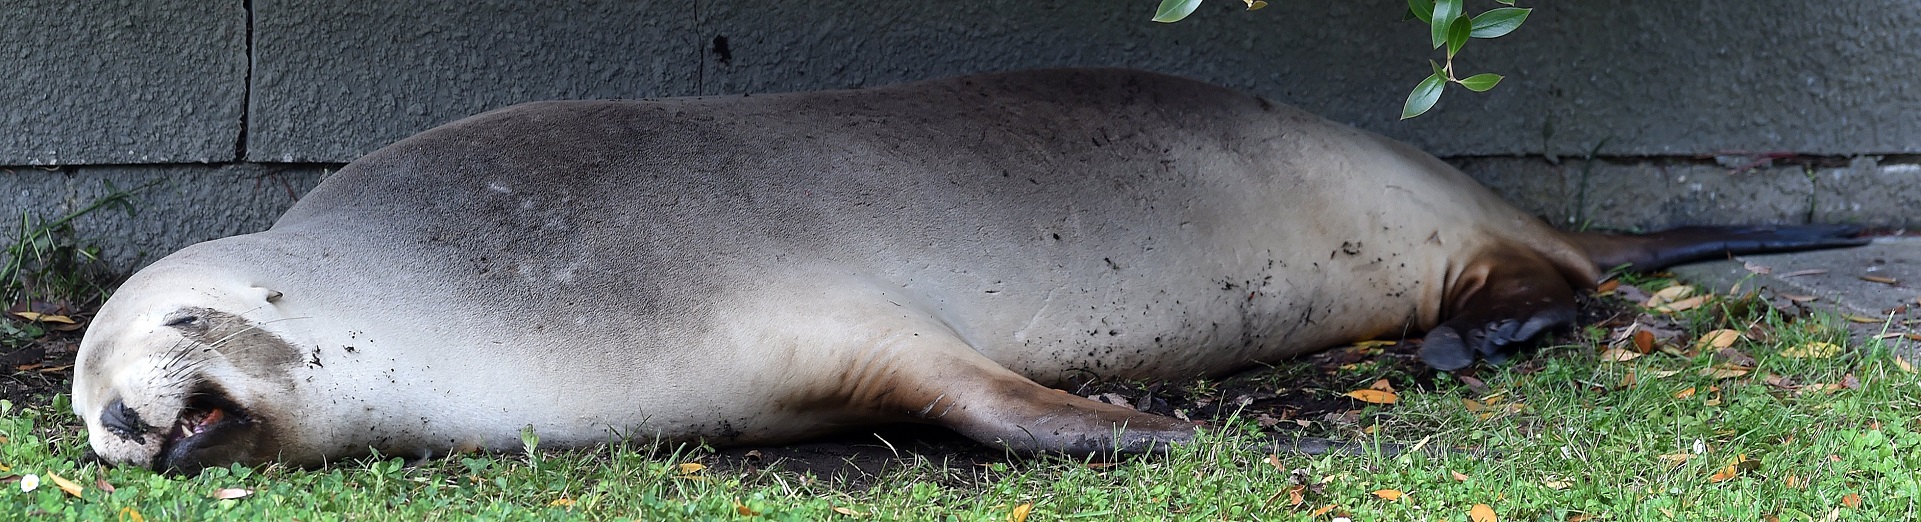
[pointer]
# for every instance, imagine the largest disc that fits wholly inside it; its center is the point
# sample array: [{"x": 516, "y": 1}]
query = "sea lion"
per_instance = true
[{"x": 766, "y": 268}]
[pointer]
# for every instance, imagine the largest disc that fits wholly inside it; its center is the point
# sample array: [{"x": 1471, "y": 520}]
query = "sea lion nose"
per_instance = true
[{"x": 123, "y": 421}]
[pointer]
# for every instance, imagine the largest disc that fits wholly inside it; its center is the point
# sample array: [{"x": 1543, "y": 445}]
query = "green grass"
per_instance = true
[{"x": 1582, "y": 444}]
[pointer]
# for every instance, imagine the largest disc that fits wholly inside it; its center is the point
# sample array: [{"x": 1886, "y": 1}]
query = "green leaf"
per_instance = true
[
  {"x": 1424, "y": 96},
  {"x": 1499, "y": 21},
  {"x": 1436, "y": 66},
  {"x": 1421, "y": 9},
  {"x": 1174, "y": 10},
  {"x": 1505, "y": 2},
  {"x": 1445, "y": 11},
  {"x": 1481, "y": 82},
  {"x": 1457, "y": 34}
]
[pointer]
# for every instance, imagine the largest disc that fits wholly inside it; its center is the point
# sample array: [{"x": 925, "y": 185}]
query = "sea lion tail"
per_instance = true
[{"x": 1675, "y": 246}]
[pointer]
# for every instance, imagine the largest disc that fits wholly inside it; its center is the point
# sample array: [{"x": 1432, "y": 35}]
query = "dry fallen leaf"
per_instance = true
[
  {"x": 1683, "y": 394},
  {"x": 1799, "y": 298},
  {"x": 1322, "y": 511},
  {"x": 1656, "y": 374},
  {"x": 44, "y": 318},
  {"x": 1717, "y": 339},
  {"x": 1813, "y": 350},
  {"x": 1734, "y": 468},
  {"x": 1674, "y": 458},
  {"x": 103, "y": 485},
  {"x": 1274, "y": 459},
  {"x": 1389, "y": 494},
  {"x": 1019, "y": 514},
  {"x": 1669, "y": 295},
  {"x": 129, "y": 514},
  {"x": 1607, "y": 287},
  {"x": 743, "y": 510},
  {"x": 1852, "y": 500},
  {"x": 568, "y": 502},
  {"x": 1808, "y": 272},
  {"x": 1557, "y": 484},
  {"x": 1903, "y": 364},
  {"x": 1482, "y": 513},
  {"x": 1296, "y": 495},
  {"x": 230, "y": 493},
  {"x": 1852, "y": 318},
  {"x": 1382, "y": 385},
  {"x": 1643, "y": 341},
  {"x": 1373, "y": 396},
  {"x": 1793, "y": 482},
  {"x": 689, "y": 468},
  {"x": 1880, "y": 279},
  {"x": 1724, "y": 372},
  {"x": 849, "y": 512},
  {"x": 1458, "y": 476},
  {"x": 65, "y": 485},
  {"x": 1616, "y": 355},
  {"x": 1683, "y": 305}
]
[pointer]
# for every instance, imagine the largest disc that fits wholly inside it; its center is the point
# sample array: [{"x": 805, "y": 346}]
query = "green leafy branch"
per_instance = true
[{"x": 1449, "y": 26}]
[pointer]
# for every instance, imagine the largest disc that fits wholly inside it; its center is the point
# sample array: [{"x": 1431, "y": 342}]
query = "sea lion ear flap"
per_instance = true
[{"x": 1517, "y": 301}]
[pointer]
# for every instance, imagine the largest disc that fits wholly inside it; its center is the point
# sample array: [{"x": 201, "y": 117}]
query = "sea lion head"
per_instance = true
[{"x": 186, "y": 368}]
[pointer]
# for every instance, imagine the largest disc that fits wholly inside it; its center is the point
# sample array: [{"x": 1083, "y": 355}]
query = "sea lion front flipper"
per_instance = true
[
  {"x": 1505, "y": 304},
  {"x": 954, "y": 386}
]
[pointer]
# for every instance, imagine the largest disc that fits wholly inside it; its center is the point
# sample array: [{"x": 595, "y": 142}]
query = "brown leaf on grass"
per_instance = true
[
  {"x": 1674, "y": 458},
  {"x": 849, "y": 512},
  {"x": 1296, "y": 496},
  {"x": 1382, "y": 385},
  {"x": 1812, "y": 350},
  {"x": 1717, "y": 339},
  {"x": 1643, "y": 341},
  {"x": 1607, "y": 287},
  {"x": 1373, "y": 396},
  {"x": 65, "y": 485},
  {"x": 1723, "y": 371},
  {"x": 1684, "y": 304},
  {"x": 1458, "y": 476},
  {"x": 689, "y": 468},
  {"x": 1627, "y": 381},
  {"x": 230, "y": 493},
  {"x": 1482, "y": 513},
  {"x": 745, "y": 511},
  {"x": 1850, "y": 382},
  {"x": 1880, "y": 279},
  {"x": 568, "y": 502},
  {"x": 1476, "y": 385},
  {"x": 1683, "y": 394},
  {"x": 1734, "y": 468},
  {"x": 103, "y": 485},
  {"x": 1793, "y": 482},
  {"x": 129, "y": 514},
  {"x": 1274, "y": 459},
  {"x": 1019, "y": 514},
  {"x": 1734, "y": 357},
  {"x": 1852, "y": 500},
  {"x": 1903, "y": 364},
  {"x": 1669, "y": 295},
  {"x": 1322, "y": 511},
  {"x": 1617, "y": 355},
  {"x": 1557, "y": 484},
  {"x": 45, "y": 318},
  {"x": 1389, "y": 494}
]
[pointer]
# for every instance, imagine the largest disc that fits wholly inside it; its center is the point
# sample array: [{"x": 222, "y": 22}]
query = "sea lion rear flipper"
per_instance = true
[
  {"x": 1674, "y": 246},
  {"x": 1505, "y": 305}
]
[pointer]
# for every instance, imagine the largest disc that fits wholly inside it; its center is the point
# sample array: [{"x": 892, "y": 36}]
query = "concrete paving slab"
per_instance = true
[{"x": 1880, "y": 281}]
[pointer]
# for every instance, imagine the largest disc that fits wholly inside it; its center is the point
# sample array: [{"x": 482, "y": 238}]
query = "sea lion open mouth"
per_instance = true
[{"x": 210, "y": 428}]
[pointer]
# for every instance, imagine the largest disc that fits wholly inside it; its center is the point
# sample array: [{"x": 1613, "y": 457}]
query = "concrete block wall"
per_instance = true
[{"x": 208, "y": 98}]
